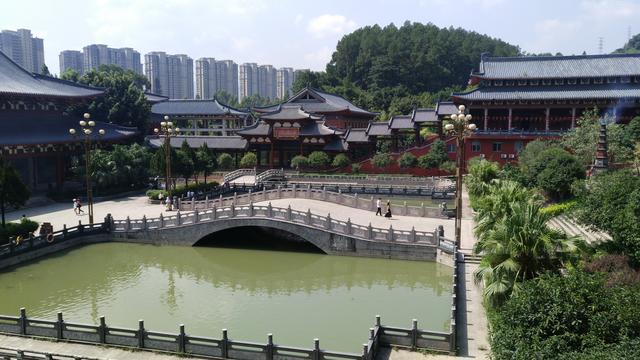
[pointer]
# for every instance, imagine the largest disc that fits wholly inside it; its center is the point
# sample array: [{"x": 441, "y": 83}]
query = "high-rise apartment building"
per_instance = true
[
  {"x": 95, "y": 55},
  {"x": 170, "y": 75},
  {"x": 247, "y": 80},
  {"x": 284, "y": 82},
  {"x": 228, "y": 76},
  {"x": 23, "y": 49},
  {"x": 71, "y": 59},
  {"x": 267, "y": 81},
  {"x": 207, "y": 82}
]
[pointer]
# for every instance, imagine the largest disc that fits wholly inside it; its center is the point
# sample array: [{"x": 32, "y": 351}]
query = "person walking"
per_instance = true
[
  {"x": 75, "y": 206},
  {"x": 388, "y": 213},
  {"x": 379, "y": 206},
  {"x": 80, "y": 211}
]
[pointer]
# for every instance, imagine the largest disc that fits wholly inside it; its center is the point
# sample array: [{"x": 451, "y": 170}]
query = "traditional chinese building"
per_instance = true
[
  {"x": 520, "y": 99},
  {"x": 338, "y": 112},
  {"x": 287, "y": 131},
  {"x": 201, "y": 117},
  {"x": 34, "y": 124}
]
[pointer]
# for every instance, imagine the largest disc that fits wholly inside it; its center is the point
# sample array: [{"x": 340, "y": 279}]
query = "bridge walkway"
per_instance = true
[{"x": 245, "y": 179}]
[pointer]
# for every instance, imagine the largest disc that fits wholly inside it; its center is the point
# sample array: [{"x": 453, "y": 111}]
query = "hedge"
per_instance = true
[
  {"x": 13, "y": 229},
  {"x": 181, "y": 190},
  {"x": 558, "y": 209}
]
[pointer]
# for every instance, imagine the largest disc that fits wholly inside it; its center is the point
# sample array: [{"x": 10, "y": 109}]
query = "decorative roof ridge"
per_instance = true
[
  {"x": 561, "y": 57},
  {"x": 66, "y": 82}
]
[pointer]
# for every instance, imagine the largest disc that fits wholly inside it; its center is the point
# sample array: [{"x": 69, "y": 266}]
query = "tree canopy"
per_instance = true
[{"x": 13, "y": 192}]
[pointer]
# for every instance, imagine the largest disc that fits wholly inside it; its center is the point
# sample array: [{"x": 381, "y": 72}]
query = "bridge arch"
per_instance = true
[{"x": 258, "y": 238}]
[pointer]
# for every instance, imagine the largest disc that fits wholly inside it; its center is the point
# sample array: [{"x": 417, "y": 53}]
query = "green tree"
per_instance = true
[
  {"x": 299, "y": 162},
  {"x": 481, "y": 173},
  {"x": 436, "y": 156},
  {"x": 225, "y": 161},
  {"x": 407, "y": 160},
  {"x": 381, "y": 160},
  {"x": 631, "y": 47},
  {"x": 340, "y": 161},
  {"x": 70, "y": 75},
  {"x": 44, "y": 70},
  {"x": 249, "y": 160},
  {"x": 226, "y": 98},
  {"x": 519, "y": 247},
  {"x": 13, "y": 192},
  {"x": 124, "y": 102},
  {"x": 319, "y": 159},
  {"x": 158, "y": 162},
  {"x": 558, "y": 170},
  {"x": 205, "y": 161}
]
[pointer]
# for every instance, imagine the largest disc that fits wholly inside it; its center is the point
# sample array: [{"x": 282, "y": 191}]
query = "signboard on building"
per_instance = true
[{"x": 286, "y": 133}]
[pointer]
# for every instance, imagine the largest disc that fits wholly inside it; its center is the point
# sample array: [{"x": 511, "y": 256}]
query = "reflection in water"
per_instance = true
[{"x": 296, "y": 296}]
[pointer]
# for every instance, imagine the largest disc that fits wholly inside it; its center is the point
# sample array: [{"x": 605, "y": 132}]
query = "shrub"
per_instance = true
[
  {"x": 558, "y": 209},
  {"x": 381, "y": 160},
  {"x": 14, "y": 229},
  {"x": 299, "y": 162},
  {"x": 318, "y": 159},
  {"x": 436, "y": 156},
  {"x": 340, "y": 160},
  {"x": 557, "y": 170},
  {"x": 558, "y": 316},
  {"x": 155, "y": 194},
  {"x": 355, "y": 168},
  {"x": 249, "y": 160},
  {"x": 225, "y": 161},
  {"x": 407, "y": 160},
  {"x": 448, "y": 166},
  {"x": 182, "y": 190}
]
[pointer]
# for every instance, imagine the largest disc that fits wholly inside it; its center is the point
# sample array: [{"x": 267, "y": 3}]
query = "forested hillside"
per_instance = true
[{"x": 390, "y": 69}]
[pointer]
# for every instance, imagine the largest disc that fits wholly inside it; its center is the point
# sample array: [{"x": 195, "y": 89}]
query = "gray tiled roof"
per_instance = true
[
  {"x": 194, "y": 107},
  {"x": 444, "y": 108},
  {"x": 317, "y": 128},
  {"x": 319, "y": 102},
  {"x": 213, "y": 142},
  {"x": 154, "y": 98},
  {"x": 576, "y": 92},
  {"x": 401, "y": 122},
  {"x": 378, "y": 129},
  {"x": 541, "y": 67},
  {"x": 14, "y": 80},
  {"x": 425, "y": 115},
  {"x": 260, "y": 128},
  {"x": 31, "y": 128},
  {"x": 356, "y": 135},
  {"x": 289, "y": 112},
  {"x": 337, "y": 144}
]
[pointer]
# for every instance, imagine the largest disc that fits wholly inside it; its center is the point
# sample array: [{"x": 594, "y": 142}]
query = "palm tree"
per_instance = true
[
  {"x": 481, "y": 173},
  {"x": 518, "y": 247}
]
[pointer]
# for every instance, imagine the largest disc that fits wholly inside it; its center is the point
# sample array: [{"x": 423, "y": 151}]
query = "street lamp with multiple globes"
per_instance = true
[
  {"x": 459, "y": 126},
  {"x": 86, "y": 130},
  {"x": 167, "y": 130}
]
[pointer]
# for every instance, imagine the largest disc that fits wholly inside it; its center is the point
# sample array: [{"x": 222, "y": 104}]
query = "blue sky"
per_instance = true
[{"x": 303, "y": 34}]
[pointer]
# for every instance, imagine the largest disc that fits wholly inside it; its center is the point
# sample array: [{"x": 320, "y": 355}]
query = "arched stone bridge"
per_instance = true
[{"x": 330, "y": 235}]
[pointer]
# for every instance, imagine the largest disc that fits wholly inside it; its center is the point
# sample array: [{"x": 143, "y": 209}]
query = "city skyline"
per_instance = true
[{"x": 305, "y": 36}]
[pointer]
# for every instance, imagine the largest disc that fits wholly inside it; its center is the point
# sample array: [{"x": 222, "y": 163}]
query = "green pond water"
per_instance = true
[{"x": 296, "y": 296}]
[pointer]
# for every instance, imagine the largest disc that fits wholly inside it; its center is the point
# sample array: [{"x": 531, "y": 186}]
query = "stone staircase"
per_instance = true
[{"x": 570, "y": 227}]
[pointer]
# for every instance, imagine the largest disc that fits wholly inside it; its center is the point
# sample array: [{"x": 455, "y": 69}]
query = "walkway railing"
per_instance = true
[
  {"x": 238, "y": 173},
  {"x": 307, "y": 218},
  {"x": 19, "y": 354},
  {"x": 223, "y": 347},
  {"x": 270, "y": 175},
  {"x": 355, "y": 201},
  {"x": 39, "y": 242}
]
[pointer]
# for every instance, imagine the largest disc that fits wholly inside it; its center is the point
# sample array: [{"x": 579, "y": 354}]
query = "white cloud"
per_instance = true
[
  {"x": 319, "y": 58},
  {"x": 298, "y": 19},
  {"x": 329, "y": 25}
]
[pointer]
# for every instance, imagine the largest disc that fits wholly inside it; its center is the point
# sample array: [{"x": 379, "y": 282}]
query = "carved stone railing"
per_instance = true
[
  {"x": 269, "y": 175},
  {"x": 355, "y": 201},
  {"x": 238, "y": 173}
]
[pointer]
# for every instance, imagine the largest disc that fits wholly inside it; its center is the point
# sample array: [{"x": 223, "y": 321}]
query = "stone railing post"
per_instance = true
[
  {"x": 424, "y": 211},
  {"x": 206, "y": 202},
  {"x": 140, "y": 334},
  {"x": 308, "y": 191},
  {"x": 294, "y": 190},
  {"x": 23, "y": 321},
  {"x": 220, "y": 202},
  {"x": 179, "y": 204},
  {"x": 308, "y": 221},
  {"x": 279, "y": 192},
  {"x": 178, "y": 218},
  {"x": 196, "y": 217},
  {"x": 128, "y": 224},
  {"x": 316, "y": 350},
  {"x": 348, "y": 226},
  {"x": 64, "y": 231},
  {"x": 250, "y": 196},
  {"x": 60, "y": 327},
  {"x": 369, "y": 231},
  {"x": 224, "y": 344},
  {"x": 436, "y": 236},
  {"x": 193, "y": 203},
  {"x": 102, "y": 330},
  {"x": 390, "y": 234},
  {"x": 355, "y": 197},
  {"x": 324, "y": 193},
  {"x": 182, "y": 339},
  {"x": 144, "y": 222},
  {"x": 214, "y": 215},
  {"x": 251, "y": 209},
  {"x": 80, "y": 226},
  {"x": 289, "y": 213},
  {"x": 233, "y": 209},
  {"x": 235, "y": 197},
  {"x": 414, "y": 334},
  {"x": 373, "y": 204},
  {"x": 412, "y": 236},
  {"x": 161, "y": 221},
  {"x": 269, "y": 347},
  {"x": 406, "y": 210},
  {"x": 328, "y": 225},
  {"x": 263, "y": 194}
]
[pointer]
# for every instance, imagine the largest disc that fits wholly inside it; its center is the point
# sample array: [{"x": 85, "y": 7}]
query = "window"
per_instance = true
[
  {"x": 546, "y": 82},
  {"x": 451, "y": 148},
  {"x": 625, "y": 80},
  {"x": 571, "y": 81},
  {"x": 559, "y": 81},
  {"x": 518, "y": 146},
  {"x": 510, "y": 82},
  {"x": 597, "y": 81},
  {"x": 497, "y": 83},
  {"x": 585, "y": 81},
  {"x": 497, "y": 146},
  {"x": 612, "y": 80},
  {"x": 522, "y": 82},
  {"x": 475, "y": 146},
  {"x": 535, "y": 82}
]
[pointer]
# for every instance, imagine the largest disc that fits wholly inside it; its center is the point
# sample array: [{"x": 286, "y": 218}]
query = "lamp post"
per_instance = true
[
  {"x": 86, "y": 130},
  {"x": 459, "y": 126},
  {"x": 167, "y": 130}
]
